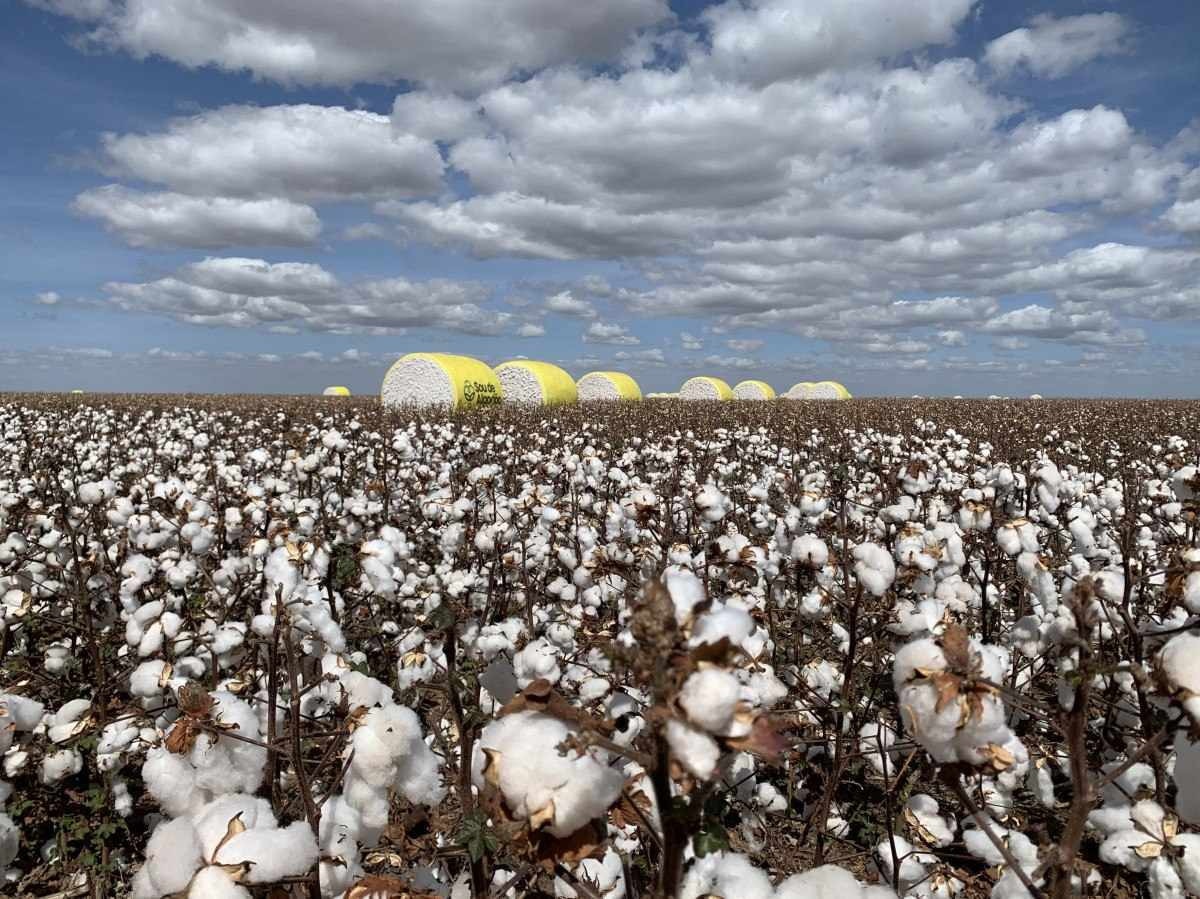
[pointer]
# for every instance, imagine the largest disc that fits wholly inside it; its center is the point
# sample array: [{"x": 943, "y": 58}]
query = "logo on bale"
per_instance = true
[{"x": 480, "y": 393}]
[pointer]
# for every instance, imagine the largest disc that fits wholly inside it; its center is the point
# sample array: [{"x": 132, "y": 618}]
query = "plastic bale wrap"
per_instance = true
[
  {"x": 440, "y": 379},
  {"x": 336, "y": 391},
  {"x": 831, "y": 390},
  {"x": 754, "y": 390},
  {"x": 705, "y": 388},
  {"x": 608, "y": 385},
  {"x": 532, "y": 383}
]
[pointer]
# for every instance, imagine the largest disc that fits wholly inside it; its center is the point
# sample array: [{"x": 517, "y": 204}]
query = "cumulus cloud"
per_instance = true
[
  {"x": 652, "y": 358},
  {"x": 176, "y": 220},
  {"x": 1052, "y": 47},
  {"x": 235, "y": 292},
  {"x": 302, "y": 152},
  {"x": 769, "y": 40},
  {"x": 458, "y": 43},
  {"x": 690, "y": 342},
  {"x": 609, "y": 332},
  {"x": 566, "y": 303},
  {"x": 529, "y": 329},
  {"x": 744, "y": 345}
]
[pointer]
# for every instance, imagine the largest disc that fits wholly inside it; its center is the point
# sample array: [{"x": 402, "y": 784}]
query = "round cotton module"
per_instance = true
[
  {"x": 535, "y": 383},
  {"x": 608, "y": 385},
  {"x": 753, "y": 390},
  {"x": 76, "y": 392},
  {"x": 440, "y": 379},
  {"x": 336, "y": 391},
  {"x": 662, "y": 396},
  {"x": 705, "y": 388},
  {"x": 830, "y": 390},
  {"x": 801, "y": 391}
]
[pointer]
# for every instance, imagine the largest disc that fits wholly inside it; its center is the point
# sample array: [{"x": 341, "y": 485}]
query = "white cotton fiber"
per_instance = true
[
  {"x": 558, "y": 791},
  {"x": 710, "y": 699},
  {"x": 608, "y": 385},
  {"x": 705, "y": 388},
  {"x": 213, "y": 883},
  {"x": 728, "y": 875}
]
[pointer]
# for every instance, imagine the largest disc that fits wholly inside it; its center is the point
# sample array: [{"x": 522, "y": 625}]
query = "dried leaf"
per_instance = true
[
  {"x": 542, "y": 817},
  {"x": 234, "y": 826},
  {"x": 1149, "y": 849},
  {"x": 764, "y": 741},
  {"x": 956, "y": 646}
]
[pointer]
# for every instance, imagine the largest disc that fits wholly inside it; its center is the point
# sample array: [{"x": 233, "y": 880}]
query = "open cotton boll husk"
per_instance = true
[
  {"x": 536, "y": 383},
  {"x": 336, "y": 391},
  {"x": 440, "y": 379},
  {"x": 753, "y": 390},
  {"x": 608, "y": 385},
  {"x": 705, "y": 388}
]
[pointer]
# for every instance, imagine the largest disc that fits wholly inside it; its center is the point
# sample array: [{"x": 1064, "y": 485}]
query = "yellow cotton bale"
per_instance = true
[
  {"x": 705, "y": 388},
  {"x": 440, "y": 379},
  {"x": 76, "y": 392},
  {"x": 817, "y": 390},
  {"x": 336, "y": 391},
  {"x": 608, "y": 385},
  {"x": 753, "y": 390},
  {"x": 524, "y": 381},
  {"x": 839, "y": 392}
]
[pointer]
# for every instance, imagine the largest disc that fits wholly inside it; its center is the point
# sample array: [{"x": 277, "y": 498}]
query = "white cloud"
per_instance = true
[
  {"x": 177, "y": 220},
  {"x": 1184, "y": 216},
  {"x": 770, "y": 40},
  {"x": 566, "y": 303},
  {"x": 1050, "y": 47},
  {"x": 609, "y": 332},
  {"x": 653, "y": 358},
  {"x": 690, "y": 342},
  {"x": 47, "y": 298},
  {"x": 738, "y": 363},
  {"x": 458, "y": 43},
  {"x": 302, "y": 152},
  {"x": 744, "y": 346},
  {"x": 235, "y": 292},
  {"x": 951, "y": 337},
  {"x": 529, "y": 329}
]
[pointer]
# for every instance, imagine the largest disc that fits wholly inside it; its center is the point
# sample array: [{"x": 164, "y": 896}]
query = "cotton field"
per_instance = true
[{"x": 770, "y": 650}]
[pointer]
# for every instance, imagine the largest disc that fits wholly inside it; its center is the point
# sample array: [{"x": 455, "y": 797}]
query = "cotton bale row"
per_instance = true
[
  {"x": 336, "y": 390},
  {"x": 608, "y": 385},
  {"x": 526, "y": 382},
  {"x": 753, "y": 390},
  {"x": 440, "y": 379},
  {"x": 705, "y": 388}
]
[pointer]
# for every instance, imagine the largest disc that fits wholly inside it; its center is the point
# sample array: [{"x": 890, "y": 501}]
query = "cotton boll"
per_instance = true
[
  {"x": 828, "y": 882},
  {"x": 214, "y": 883},
  {"x": 874, "y": 567},
  {"x": 10, "y": 845},
  {"x": 606, "y": 875},
  {"x": 537, "y": 661},
  {"x": 727, "y": 874},
  {"x": 710, "y": 699},
  {"x": 172, "y": 857},
  {"x": 694, "y": 749},
  {"x": 518, "y": 755},
  {"x": 61, "y": 764}
]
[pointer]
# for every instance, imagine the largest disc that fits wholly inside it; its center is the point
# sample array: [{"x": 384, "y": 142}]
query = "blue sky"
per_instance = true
[{"x": 937, "y": 197}]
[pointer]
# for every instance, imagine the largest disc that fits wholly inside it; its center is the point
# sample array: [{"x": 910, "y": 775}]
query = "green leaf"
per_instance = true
[
  {"x": 711, "y": 839},
  {"x": 475, "y": 837}
]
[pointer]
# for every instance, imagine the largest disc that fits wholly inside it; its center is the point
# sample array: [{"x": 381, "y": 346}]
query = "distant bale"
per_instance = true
[
  {"x": 754, "y": 390},
  {"x": 532, "y": 383},
  {"x": 336, "y": 391},
  {"x": 1035, "y": 396},
  {"x": 440, "y": 379},
  {"x": 818, "y": 390},
  {"x": 76, "y": 392},
  {"x": 662, "y": 396},
  {"x": 608, "y": 385},
  {"x": 705, "y": 388}
]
